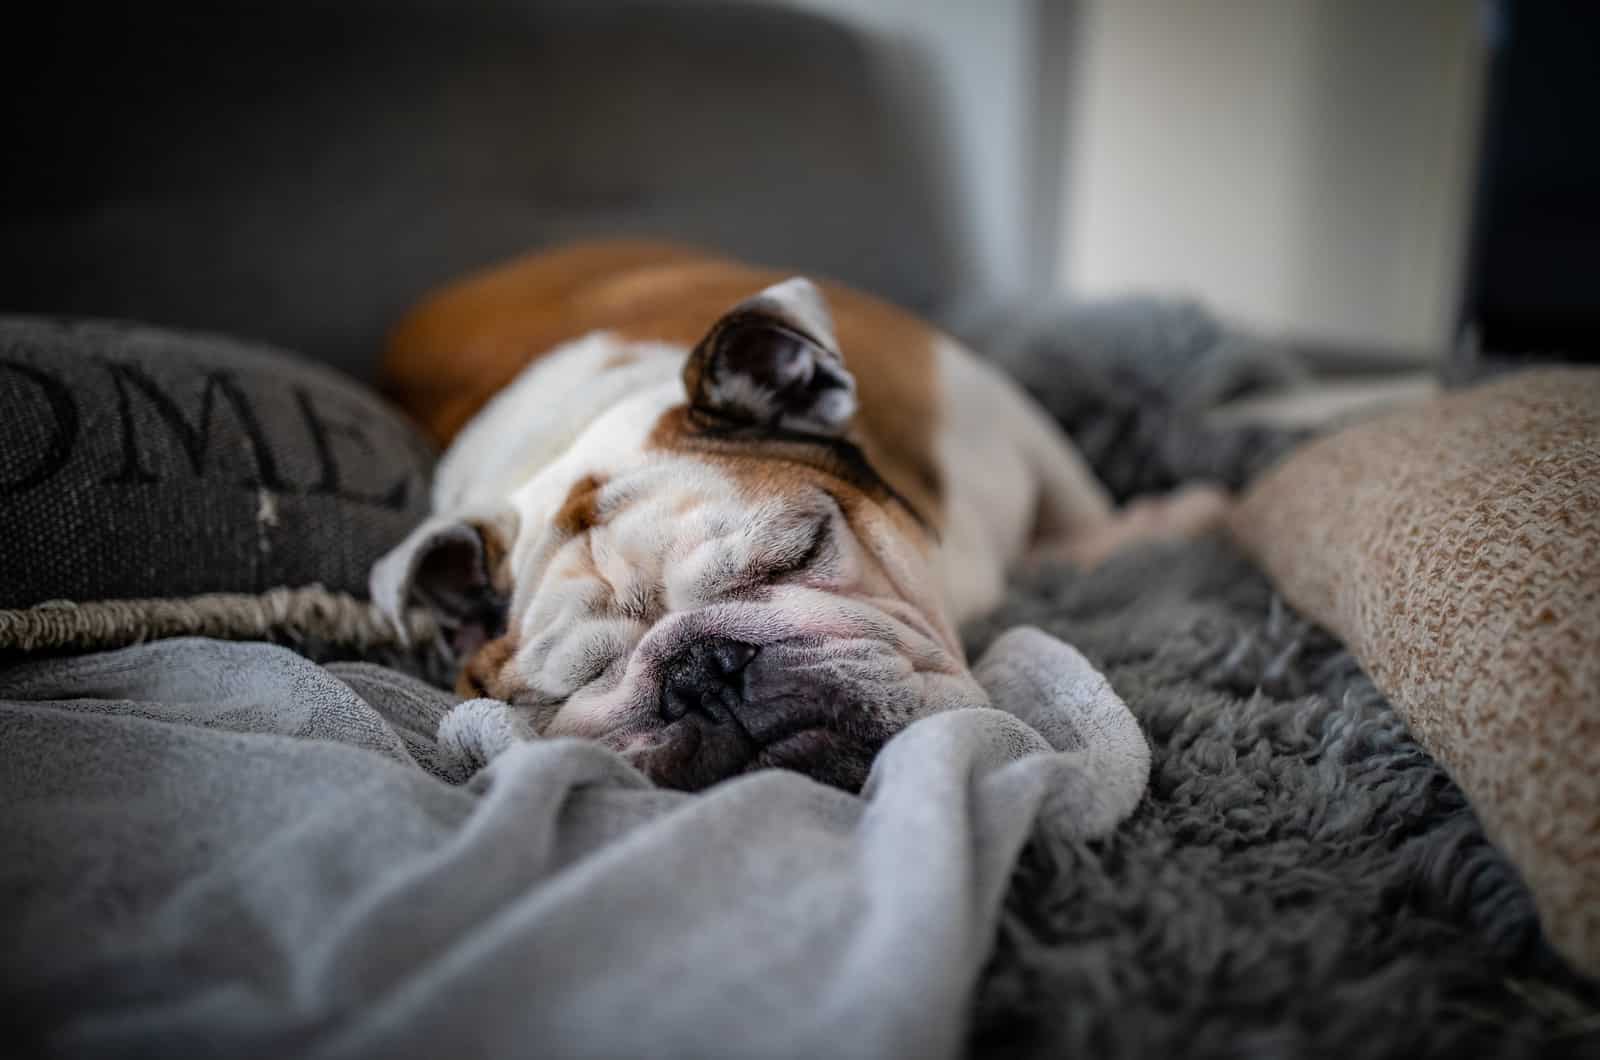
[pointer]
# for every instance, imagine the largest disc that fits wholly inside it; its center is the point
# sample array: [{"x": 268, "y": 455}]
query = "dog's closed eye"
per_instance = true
[
  {"x": 800, "y": 559},
  {"x": 791, "y": 554}
]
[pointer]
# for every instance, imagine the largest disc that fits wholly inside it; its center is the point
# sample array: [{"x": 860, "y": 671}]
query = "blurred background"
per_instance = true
[{"x": 1376, "y": 179}]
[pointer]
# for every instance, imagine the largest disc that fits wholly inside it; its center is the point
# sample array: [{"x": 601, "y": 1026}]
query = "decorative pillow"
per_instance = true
[
  {"x": 1455, "y": 547},
  {"x": 136, "y": 462}
]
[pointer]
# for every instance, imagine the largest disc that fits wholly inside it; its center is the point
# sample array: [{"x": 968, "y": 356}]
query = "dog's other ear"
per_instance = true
[
  {"x": 773, "y": 361},
  {"x": 458, "y": 568}
]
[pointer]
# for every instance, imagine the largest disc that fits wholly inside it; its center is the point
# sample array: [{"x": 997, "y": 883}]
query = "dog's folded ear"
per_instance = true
[
  {"x": 773, "y": 361},
  {"x": 455, "y": 566}
]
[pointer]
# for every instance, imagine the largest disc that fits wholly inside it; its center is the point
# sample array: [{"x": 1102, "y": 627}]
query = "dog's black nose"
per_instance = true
[{"x": 707, "y": 677}]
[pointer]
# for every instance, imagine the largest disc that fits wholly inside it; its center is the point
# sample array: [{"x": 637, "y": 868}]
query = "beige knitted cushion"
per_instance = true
[{"x": 1455, "y": 547}]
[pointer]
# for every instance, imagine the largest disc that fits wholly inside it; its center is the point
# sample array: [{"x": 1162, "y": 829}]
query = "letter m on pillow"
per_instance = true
[{"x": 194, "y": 438}]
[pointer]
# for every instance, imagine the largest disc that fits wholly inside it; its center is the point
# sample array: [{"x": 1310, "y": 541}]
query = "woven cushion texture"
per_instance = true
[
  {"x": 1455, "y": 546},
  {"x": 136, "y": 462}
]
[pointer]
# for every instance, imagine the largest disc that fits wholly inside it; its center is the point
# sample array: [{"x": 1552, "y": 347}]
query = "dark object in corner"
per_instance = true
[{"x": 1531, "y": 294}]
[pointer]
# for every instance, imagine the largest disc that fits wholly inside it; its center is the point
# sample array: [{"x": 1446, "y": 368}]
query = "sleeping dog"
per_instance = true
[{"x": 717, "y": 517}]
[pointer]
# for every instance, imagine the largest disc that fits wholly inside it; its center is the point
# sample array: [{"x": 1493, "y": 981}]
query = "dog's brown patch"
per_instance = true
[
  {"x": 480, "y": 677},
  {"x": 580, "y": 511},
  {"x": 497, "y": 537}
]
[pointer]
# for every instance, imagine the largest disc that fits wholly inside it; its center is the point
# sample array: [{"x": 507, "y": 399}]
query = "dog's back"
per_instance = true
[{"x": 466, "y": 342}]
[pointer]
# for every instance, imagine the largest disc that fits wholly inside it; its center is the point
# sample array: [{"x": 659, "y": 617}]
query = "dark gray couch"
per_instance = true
[{"x": 299, "y": 172}]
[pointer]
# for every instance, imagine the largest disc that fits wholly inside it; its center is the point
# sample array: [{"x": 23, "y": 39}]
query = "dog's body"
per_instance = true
[{"x": 717, "y": 518}]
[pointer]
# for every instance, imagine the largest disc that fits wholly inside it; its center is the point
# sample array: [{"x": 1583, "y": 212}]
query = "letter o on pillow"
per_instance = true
[{"x": 137, "y": 462}]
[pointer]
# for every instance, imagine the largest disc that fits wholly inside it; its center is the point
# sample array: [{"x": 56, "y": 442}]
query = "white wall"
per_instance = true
[
  {"x": 982, "y": 51},
  {"x": 1302, "y": 165}
]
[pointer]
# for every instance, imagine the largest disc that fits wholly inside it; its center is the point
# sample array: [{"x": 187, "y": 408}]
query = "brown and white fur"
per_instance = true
[{"x": 716, "y": 517}]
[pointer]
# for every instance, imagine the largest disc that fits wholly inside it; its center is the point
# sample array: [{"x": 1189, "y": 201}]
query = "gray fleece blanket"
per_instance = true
[{"x": 228, "y": 850}]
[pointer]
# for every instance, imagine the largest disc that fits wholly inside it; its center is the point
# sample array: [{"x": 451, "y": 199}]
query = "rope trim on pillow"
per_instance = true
[{"x": 285, "y": 615}]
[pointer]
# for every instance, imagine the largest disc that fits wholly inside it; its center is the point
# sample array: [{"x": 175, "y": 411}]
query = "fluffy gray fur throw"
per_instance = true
[
  {"x": 1302, "y": 879},
  {"x": 1130, "y": 378}
]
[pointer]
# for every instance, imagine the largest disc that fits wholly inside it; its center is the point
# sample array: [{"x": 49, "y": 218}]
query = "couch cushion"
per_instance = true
[
  {"x": 136, "y": 462},
  {"x": 1455, "y": 546}
]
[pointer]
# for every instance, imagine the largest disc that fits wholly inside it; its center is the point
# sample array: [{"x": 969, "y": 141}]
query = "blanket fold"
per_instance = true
[{"x": 225, "y": 849}]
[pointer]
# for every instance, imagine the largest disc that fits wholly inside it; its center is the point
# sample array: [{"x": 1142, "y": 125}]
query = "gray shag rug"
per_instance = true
[
  {"x": 1131, "y": 380},
  {"x": 1302, "y": 879}
]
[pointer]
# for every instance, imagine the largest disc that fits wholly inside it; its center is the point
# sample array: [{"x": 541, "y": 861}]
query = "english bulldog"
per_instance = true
[{"x": 717, "y": 517}]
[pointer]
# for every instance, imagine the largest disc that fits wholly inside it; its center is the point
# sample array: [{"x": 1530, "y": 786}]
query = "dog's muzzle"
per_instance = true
[{"x": 734, "y": 708}]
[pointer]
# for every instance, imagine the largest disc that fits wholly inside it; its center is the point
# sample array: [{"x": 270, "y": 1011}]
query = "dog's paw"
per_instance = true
[{"x": 1186, "y": 512}]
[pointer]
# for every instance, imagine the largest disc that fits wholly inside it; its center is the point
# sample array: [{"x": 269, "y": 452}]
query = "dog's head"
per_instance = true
[{"x": 742, "y": 589}]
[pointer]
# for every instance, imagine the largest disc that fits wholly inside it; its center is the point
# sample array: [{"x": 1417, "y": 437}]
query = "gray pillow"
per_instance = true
[{"x": 141, "y": 462}]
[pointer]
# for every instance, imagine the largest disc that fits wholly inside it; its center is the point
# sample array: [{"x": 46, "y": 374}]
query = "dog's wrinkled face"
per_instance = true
[
  {"x": 702, "y": 629},
  {"x": 739, "y": 591}
]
